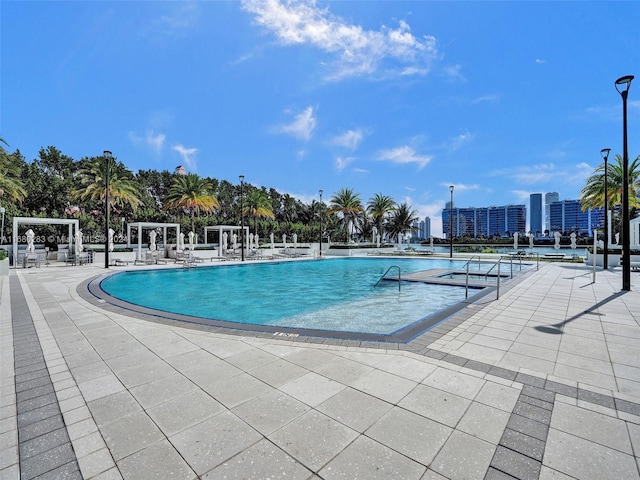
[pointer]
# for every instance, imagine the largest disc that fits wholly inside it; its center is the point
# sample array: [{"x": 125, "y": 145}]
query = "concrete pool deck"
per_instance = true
[{"x": 542, "y": 383}]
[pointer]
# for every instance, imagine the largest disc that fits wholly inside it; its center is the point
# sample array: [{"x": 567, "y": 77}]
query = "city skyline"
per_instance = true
[{"x": 399, "y": 98}]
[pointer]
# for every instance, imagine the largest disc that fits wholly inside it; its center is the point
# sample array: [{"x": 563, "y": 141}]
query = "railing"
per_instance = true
[{"x": 385, "y": 274}]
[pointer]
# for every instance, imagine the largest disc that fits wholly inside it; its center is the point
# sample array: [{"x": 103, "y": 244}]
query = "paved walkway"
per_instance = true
[{"x": 542, "y": 383}]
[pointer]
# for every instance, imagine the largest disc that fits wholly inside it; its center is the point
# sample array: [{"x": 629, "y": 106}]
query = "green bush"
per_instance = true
[{"x": 3, "y": 254}]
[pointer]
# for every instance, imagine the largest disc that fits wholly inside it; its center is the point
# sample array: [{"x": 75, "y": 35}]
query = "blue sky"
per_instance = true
[{"x": 499, "y": 99}]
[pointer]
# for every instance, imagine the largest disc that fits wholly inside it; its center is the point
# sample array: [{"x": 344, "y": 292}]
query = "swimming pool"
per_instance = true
[{"x": 331, "y": 294}]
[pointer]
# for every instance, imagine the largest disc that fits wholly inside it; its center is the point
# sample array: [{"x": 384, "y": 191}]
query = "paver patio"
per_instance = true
[{"x": 543, "y": 383}]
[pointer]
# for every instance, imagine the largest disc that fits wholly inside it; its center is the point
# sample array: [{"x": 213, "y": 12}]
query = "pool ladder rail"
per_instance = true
[{"x": 385, "y": 274}]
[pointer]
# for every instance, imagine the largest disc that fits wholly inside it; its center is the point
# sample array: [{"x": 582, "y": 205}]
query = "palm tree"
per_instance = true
[
  {"x": 592, "y": 195},
  {"x": 378, "y": 207},
  {"x": 349, "y": 205},
  {"x": 122, "y": 189},
  {"x": 402, "y": 220},
  {"x": 257, "y": 205},
  {"x": 10, "y": 185},
  {"x": 192, "y": 193}
]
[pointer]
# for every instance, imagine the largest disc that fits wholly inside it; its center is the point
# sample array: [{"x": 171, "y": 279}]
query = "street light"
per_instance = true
[
  {"x": 2, "y": 234},
  {"x": 625, "y": 82},
  {"x": 242, "y": 217},
  {"x": 451, "y": 223},
  {"x": 320, "y": 213},
  {"x": 605, "y": 154},
  {"x": 107, "y": 159}
]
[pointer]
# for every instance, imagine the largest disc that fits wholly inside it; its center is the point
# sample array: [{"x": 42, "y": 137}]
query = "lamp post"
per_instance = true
[
  {"x": 242, "y": 217},
  {"x": 2, "y": 234},
  {"x": 451, "y": 223},
  {"x": 107, "y": 160},
  {"x": 121, "y": 228},
  {"x": 320, "y": 214},
  {"x": 625, "y": 83},
  {"x": 605, "y": 154}
]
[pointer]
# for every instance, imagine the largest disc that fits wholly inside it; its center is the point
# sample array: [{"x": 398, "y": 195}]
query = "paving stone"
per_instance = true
[
  {"x": 538, "y": 414},
  {"x": 516, "y": 464},
  {"x": 34, "y": 392},
  {"x": 627, "y": 407},
  {"x": 43, "y": 443},
  {"x": 528, "y": 427},
  {"x": 68, "y": 471},
  {"x": 535, "y": 401},
  {"x": 33, "y": 403},
  {"x": 597, "y": 398},
  {"x": 51, "y": 459},
  {"x": 503, "y": 373},
  {"x": 524, "y": 444},
  {"x": 40, "y": 428},
  {"x": 530, "y": 380},
  {"x": 33, "y": 383},
  {"x": 455, "y": 359},
  {"x": 561, "y": 388},
  {"x": 493, "y": 474},
  {"x": 38, "y": 414},
  {"x": 539, "y": 393},
  {"x": 478, "y": 366}
]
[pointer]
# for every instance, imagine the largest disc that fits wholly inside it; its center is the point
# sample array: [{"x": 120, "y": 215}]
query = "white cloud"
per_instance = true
[
  {"x": 460, "y": 140},
  {"x": 457, "y": 187},
  {"x": 187, "y": 155},
  {"x": 405, "y": 154},
  {"x": 182, "y": 17},
  {"x": 539, "y": 60},
  {"x": 349, "y": 139},
  {"x": 342, "y": 162},
  {"x": 302, "y": 126},
  {"x": 154, "y": 142},
  {"x": 356, "y": 51},
  {"x": 491, "y": 98},
  {"x": 453, "y": 72}
]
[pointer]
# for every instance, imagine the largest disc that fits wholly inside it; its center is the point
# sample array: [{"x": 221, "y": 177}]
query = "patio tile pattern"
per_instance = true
[{"x": 542, "y": 383}]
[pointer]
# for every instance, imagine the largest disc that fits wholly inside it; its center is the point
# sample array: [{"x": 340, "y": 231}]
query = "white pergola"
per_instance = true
[
  {"x": 225, "y": 228},
  {"x": 18, "y": 221},
  {"x": 140, "y": 226}
]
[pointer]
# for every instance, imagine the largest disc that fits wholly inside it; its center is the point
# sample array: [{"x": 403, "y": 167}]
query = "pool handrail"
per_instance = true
[{"x": 385, "y": 274}]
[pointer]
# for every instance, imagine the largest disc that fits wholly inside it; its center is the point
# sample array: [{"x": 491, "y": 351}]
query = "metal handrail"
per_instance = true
[
  {"x": 385, "y": 274},
  {"x": 470, "y": 259}
]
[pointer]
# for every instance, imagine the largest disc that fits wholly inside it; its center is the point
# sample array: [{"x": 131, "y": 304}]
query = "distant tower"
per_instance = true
[
  {"x": 535, "y": 212},
  {"x": 549, "y": 198},
  {"x": 179, "y": 170}
]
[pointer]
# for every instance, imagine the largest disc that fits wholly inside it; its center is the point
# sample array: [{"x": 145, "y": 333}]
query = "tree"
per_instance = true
[
  {"x": 50, "y": 181},
  {"x": 257, "y": 205},
  {"x": 592, "y": 195},
  {"x": 191, "y": 193},
  {"x": 122, "y": 188},
  {"x": 348, "y": 204},
  {"x": 402, "y": 220},
  {"x": 11, "y": 187},
  {"x": 379, "y": 206}
]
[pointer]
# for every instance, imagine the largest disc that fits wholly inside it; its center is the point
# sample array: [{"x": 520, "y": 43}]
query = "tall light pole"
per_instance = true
[
  {"x": 605, "y": 154},
  {"x": 107, "y": 160},
  {"x": 2, "y": 234},
  {"x": 625, "y": 83},
  {"x": 451, "y": 223},
  {"x": 320, "y": 214},
  {"x": 242, "y": 217}
]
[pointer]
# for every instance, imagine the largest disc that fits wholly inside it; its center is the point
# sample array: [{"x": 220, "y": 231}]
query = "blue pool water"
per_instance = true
[{"x": 332, "y": 294}]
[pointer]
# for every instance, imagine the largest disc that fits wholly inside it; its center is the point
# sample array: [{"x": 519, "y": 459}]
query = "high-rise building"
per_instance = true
[
  {"x": 535, "y": 213},
  {"x": 549, "y": 198},
  {"x": 422, "y": 229},
  {"x": 568, "y": 217},
  {"x": 485, "y": 221}
]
